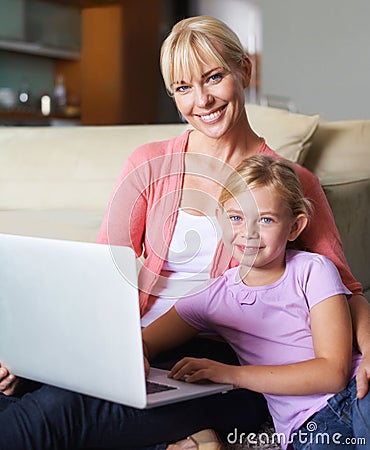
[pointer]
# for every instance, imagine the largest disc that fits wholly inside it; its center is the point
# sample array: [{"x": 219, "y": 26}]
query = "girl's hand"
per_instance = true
[
  {"x": 193, "y": 370},
  {"x": 363, "y": 377},
  {"x": 8, "y": 382}
]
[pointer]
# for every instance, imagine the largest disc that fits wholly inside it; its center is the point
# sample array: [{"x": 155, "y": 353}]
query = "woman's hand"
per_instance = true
[
  {"x": 146, "y": 366},
  {"x": 8, "y": 381},
  {"x": 363, "y": 377},
  {"x": 195, "y": 369}
]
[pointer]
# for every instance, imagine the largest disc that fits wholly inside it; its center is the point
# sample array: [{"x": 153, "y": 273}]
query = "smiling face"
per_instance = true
[
  {"x": 212, "y": 98},
  {"x": 257, "y": 233}
]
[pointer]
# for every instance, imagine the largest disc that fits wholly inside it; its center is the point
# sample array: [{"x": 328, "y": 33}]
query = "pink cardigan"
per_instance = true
[{"x": 143, "y": 209}]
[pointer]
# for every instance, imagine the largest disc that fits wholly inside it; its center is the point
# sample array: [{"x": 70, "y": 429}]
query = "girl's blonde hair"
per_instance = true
[
  {"x": 194, "y": 39},
  {"x": 277, "y": 174}
]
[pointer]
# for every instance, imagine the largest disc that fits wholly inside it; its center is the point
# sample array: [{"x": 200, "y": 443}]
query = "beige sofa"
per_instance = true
[{"x": 56, "y": 182}]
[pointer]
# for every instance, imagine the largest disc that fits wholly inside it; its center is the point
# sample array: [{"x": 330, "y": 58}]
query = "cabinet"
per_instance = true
[
  {"x": 33, "y": 35},
  {"x": 12, "y": 19},
  {"x": 118, "y": 75},
  {"x": 106, "y": 50},
  {"x": 40, "y": 27}
]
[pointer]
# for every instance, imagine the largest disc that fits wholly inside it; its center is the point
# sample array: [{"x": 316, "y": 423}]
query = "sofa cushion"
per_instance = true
[
  {"x": 75, "y": 225},
  {"x": 68, "y": 167},
  {"x": 341, "y": 150},
  {"x": 287, "y": 133}
]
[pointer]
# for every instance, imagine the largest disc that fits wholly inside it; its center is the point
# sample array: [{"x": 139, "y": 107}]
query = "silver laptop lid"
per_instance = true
[{"x": 65, "y": 293}]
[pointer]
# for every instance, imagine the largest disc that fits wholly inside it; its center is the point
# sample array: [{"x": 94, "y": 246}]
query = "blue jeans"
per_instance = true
[
  {"x": 343, "y": 423},
  {"x": 50, "y": 418}
]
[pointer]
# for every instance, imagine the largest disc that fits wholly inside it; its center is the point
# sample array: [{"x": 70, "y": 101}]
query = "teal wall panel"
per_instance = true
[{"x": 17, "y": 69}]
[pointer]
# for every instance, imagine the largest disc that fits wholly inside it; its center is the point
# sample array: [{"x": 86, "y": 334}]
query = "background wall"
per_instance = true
[
  {"x": 244, "y": 17},
  {"x": 318, "y": 54}
]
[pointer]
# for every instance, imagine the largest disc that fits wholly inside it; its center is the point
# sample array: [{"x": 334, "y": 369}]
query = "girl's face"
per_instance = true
[
  {"x": 212, "y": 102},
  {"x": 257, "y": 233}
]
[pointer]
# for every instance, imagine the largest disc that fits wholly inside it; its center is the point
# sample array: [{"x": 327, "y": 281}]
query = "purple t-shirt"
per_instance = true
[{"x": 270, "y": 324}]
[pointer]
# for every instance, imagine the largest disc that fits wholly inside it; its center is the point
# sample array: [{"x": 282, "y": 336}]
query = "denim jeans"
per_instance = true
[
  {"x": 50, "y": 418},
  {"x": 343, "y": 423}
]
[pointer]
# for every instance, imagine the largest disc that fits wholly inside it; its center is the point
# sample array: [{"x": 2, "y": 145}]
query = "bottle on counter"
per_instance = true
[
  {"x": 45, "y": 104},
  {"x": 60, "y": 94}
]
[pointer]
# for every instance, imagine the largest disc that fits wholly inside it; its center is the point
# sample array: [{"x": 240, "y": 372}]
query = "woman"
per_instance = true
[
  {"x": 166, "y": 191},
  {"x": 206, "y": 71}
]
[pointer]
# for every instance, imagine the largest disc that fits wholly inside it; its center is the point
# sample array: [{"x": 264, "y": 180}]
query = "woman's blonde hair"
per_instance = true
[
  {"x": 194, "y": 39},
  {"x": 277, "y": 174}
]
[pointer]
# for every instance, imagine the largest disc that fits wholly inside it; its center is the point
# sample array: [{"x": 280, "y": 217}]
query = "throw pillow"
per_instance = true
[{"x": 289, "y": 134}]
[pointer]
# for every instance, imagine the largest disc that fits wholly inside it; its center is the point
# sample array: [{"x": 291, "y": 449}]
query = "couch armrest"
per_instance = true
[{"x": 349, "y": 201}]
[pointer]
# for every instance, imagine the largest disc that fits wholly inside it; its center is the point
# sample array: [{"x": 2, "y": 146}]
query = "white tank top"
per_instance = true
[{"x": 189, "y": 261}]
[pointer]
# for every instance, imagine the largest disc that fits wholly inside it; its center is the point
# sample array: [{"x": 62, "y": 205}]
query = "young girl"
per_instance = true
[{"x": 284, "y": 312}]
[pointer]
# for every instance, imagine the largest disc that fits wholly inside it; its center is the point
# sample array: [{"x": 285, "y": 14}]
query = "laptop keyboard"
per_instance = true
[{"x": 154, "y": 388}]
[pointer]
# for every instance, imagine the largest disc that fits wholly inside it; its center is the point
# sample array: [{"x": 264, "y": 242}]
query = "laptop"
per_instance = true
[{"x": 69, "y": 317}]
